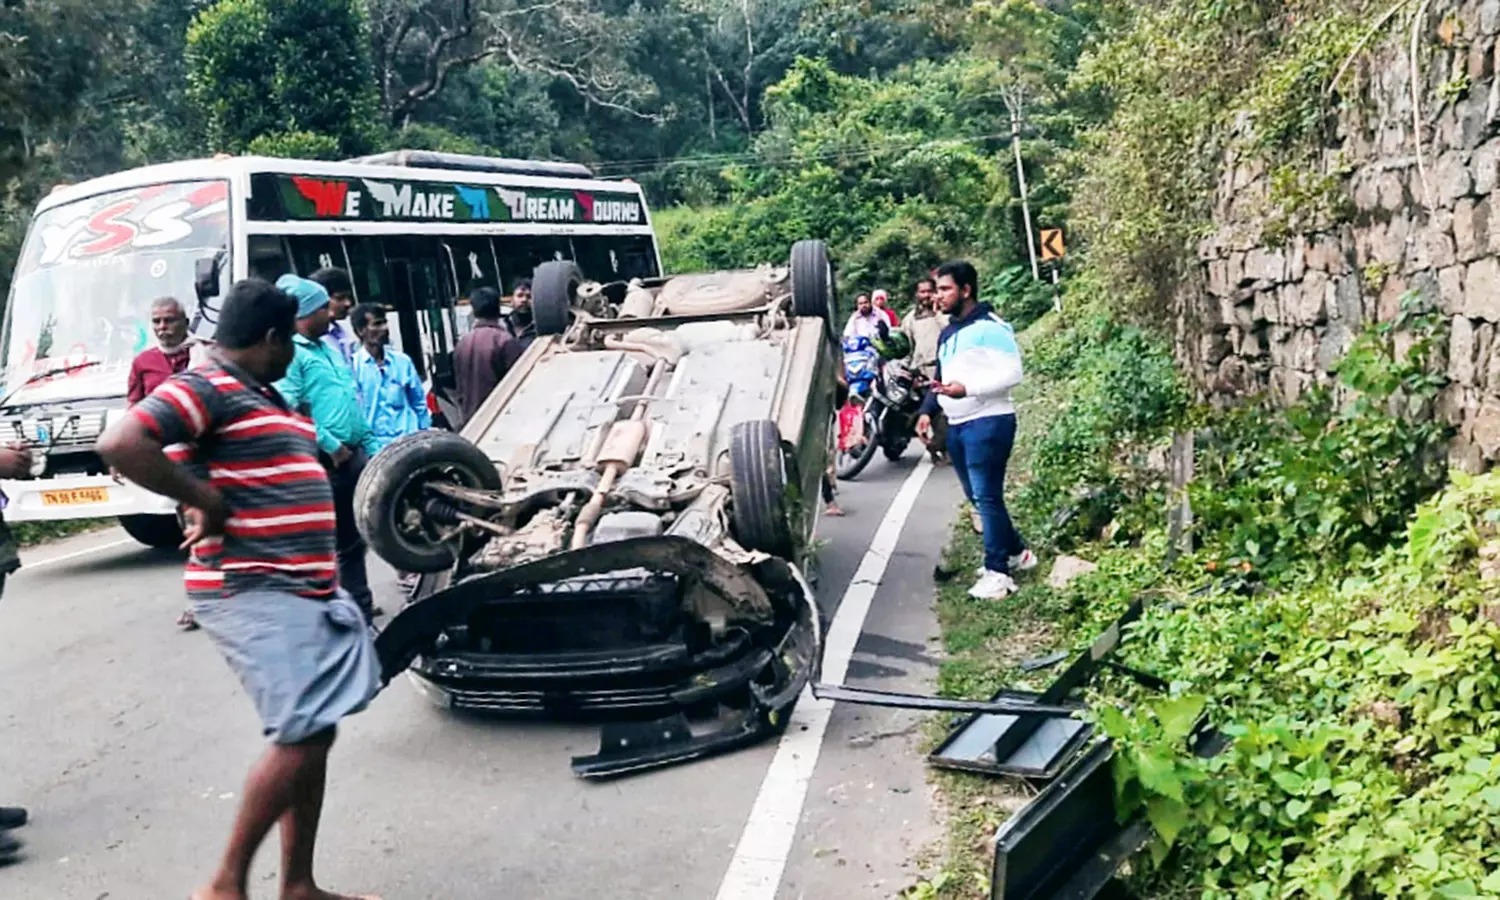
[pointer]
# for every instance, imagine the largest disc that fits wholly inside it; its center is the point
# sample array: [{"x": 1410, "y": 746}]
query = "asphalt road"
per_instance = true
[{"x": 129, "y": 741}]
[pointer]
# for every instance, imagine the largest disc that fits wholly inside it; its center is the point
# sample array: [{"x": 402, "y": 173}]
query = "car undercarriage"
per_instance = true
[{"x": 621, "y": 530}]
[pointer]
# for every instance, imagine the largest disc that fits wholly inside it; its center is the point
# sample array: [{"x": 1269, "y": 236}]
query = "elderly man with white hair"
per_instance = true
[{"x": 175, "y": 351}]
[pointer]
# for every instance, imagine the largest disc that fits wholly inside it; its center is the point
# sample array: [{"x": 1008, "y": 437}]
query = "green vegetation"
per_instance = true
[
  {"x": 1184, "y": 82},
  {"x": 290, "y": 77},
  {"x": 886, "y": 170},
  {"x": 1336, "y": 616},
  {"x": 1331, "y": 634},
  {"x": 29, "y": 534}
]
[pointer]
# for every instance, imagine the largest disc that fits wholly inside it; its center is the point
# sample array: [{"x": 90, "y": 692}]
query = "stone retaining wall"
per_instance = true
[{"x": 1274, "y": 317}]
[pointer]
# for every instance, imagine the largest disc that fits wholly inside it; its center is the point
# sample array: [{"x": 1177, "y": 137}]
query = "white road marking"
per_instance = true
[
  {"x": 755, "y": 871},
  {"x": 64, "y": 557}
]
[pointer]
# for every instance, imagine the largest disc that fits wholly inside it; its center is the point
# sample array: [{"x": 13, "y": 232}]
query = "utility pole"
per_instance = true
[{"x": 1013, "y": 98}]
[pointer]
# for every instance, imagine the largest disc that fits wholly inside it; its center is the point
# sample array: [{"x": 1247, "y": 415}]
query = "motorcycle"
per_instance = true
[{"x": 881, "y": 416}]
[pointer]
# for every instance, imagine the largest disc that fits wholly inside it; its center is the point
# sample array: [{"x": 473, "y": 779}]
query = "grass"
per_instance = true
[
  {"x": 31, "y": 534},
  {"x": 985, "y": 642}
]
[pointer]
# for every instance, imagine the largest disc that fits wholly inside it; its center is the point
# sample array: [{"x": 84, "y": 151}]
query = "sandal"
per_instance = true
[{"x": 187, "y": 621}]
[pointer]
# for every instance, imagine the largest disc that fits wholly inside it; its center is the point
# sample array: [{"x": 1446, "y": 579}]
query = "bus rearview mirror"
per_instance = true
[{"x": 206, "y": 277}]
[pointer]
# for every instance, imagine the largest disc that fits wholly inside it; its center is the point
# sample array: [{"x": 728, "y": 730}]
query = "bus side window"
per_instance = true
[
  {"x": 607, "y": 257},
  {"x": 598, "y": 256},
  {"x": 372, "y": 282},
  {"x": 519, "y": 255},
  {"x": 313, "y": 253},
  {"x": 367, "y": 269},
  {"x": 638, "y": 257},
  {"x": 474, "y": 264},
  {"x": 474, "y": 267},
  {"x": 269, "y": 259}
]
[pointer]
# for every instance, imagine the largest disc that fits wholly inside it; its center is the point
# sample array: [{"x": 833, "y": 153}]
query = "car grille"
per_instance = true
[{"x": 486, "y": 700}]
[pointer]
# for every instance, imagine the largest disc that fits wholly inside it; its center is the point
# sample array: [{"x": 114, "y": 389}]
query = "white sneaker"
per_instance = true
[
  {"x": 992, "y": 586},
  {"x": 1025, "y": 562}
]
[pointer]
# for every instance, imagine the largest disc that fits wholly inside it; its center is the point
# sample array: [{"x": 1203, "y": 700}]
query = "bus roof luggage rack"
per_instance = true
[{"x": 467, "y": 162}]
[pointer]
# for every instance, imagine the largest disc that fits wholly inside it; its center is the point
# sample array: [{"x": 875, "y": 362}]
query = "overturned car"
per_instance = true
[{"x": 625, "y": 525}]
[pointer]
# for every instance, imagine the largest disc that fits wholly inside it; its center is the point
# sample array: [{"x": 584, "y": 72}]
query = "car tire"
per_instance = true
[
  {"x": 554, "y": 292},
  {"x": 812, "y": 281},
  {"x": 758, "y": 481},
  {"x": 162, "y": 532},
  {"x": 391, "y": 485}
]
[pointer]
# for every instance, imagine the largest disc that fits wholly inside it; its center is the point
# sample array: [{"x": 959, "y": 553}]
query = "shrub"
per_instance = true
[
  {"x": 1116, "y": 394},
  {"x": 266, "y": 67},
  {"x": 1326, "y": 481},
  {"x": 1364, "y": 714},
  {"x": 1018, "y": 297},
  {"x": 295, "y": 145}
]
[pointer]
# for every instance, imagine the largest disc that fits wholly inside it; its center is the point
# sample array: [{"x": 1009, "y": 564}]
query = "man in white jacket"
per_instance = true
[{"x": 978, "y": 363}]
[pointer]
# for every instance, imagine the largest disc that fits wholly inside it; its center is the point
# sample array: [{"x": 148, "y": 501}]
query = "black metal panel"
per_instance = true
[
  {"x": 1066, "y": 842},
  {"x": 1046, "y": 750}
]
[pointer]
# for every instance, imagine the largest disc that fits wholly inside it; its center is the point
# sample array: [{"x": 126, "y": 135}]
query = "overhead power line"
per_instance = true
[{"x": 760, "y": 160}]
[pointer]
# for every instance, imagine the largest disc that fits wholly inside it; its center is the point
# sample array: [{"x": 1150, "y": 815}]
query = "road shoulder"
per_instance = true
[{"x": 871, "y": 818}]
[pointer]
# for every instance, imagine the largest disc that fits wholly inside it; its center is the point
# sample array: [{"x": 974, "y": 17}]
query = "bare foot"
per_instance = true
[
  {"x": 213, "y": 893},
  {"x": 316, "y": 893},
  {"x": 833, "y": 509}
]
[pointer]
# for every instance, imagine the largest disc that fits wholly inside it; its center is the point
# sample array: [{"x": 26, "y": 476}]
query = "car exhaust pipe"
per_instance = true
[{"x": 619, "y": 452}]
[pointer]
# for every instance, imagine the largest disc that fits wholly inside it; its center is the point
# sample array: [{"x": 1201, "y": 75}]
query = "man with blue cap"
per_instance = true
[{"x": 322, "y": 386}]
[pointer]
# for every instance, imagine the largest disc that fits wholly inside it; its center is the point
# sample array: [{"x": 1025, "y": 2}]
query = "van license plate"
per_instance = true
[{"x": 75, "y": 497}]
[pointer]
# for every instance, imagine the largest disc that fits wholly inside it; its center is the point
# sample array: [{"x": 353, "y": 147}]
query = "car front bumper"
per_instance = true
[{"x": 753, "y": 676}]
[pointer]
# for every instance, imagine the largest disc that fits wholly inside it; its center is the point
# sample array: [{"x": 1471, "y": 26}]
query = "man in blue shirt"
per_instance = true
[
  {"x": 391, "y": 394},
  {"x": 340, "y": 297},
  {"x": 978, "y": 363},
  {"x": 321, "y": 386}
]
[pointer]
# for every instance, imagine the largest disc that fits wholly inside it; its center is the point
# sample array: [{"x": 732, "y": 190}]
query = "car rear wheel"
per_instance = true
[
  {"x": 398, "y": 516},
  {"x": 812, "y": 281},
  {"x": 554, "y": 293},
  {"x": 164, "y": 532},
  {"x": 760, "y": 475}
]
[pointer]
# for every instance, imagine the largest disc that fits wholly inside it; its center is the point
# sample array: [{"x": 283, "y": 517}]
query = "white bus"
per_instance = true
[{"x": 417, "y": 232}]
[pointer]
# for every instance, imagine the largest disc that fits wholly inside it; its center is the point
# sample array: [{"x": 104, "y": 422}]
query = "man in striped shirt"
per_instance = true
[{"x": 263, "y": 574}]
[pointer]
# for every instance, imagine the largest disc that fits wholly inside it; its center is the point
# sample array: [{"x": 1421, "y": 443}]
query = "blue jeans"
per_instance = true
[{"x": 980, "y": 450}]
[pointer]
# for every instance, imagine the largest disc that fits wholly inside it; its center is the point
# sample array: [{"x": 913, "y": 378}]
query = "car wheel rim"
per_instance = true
[{"x": 409, "y": 513}]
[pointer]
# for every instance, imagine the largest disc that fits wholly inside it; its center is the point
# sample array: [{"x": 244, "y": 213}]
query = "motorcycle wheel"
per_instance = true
[{"x": 851, "y": 462}]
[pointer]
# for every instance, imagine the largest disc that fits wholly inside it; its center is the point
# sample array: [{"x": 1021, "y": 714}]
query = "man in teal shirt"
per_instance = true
[{"x": 321, "y": 386}]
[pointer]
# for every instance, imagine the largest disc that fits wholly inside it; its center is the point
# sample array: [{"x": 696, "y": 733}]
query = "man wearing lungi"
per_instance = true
[{"x": 262, "y": 575}]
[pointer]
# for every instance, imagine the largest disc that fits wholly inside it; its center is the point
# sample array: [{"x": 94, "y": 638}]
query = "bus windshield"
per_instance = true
[{"x": 90, "y": 270}]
